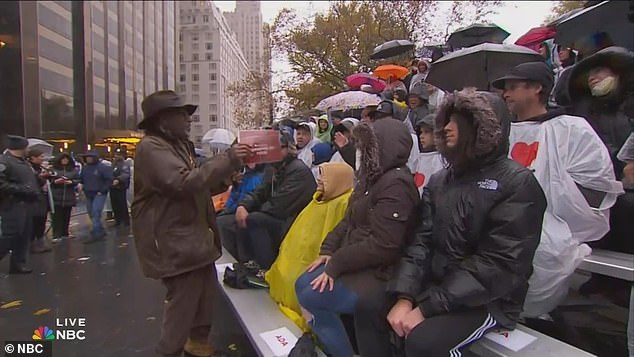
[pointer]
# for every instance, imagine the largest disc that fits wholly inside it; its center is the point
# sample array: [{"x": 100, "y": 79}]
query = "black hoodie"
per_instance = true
[{"x": 477, "y": 233}]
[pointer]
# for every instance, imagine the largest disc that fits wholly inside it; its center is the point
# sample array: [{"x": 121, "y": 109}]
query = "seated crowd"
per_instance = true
[{"x": 438, "y": 223}]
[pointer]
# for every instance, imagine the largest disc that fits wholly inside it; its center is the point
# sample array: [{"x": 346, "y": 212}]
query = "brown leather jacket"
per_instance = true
[{"x": 174, "y": 223}]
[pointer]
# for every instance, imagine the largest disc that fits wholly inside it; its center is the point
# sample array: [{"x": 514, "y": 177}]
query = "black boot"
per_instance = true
[{"x": 19, "y": 269}]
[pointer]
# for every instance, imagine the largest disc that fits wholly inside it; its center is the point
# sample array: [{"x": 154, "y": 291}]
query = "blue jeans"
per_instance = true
[
  {"x": 325, "y": 308},
  {"x": 94, "y": 205}
]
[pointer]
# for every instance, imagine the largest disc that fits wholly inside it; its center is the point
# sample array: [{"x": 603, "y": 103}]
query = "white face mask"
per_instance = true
[{"x": 604, "y": 87}]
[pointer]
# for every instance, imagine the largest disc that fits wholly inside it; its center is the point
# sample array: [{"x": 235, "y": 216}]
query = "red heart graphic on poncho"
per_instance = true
[
  {"x": 419, "y": 179},
  {"x": 524, "y": 153}
]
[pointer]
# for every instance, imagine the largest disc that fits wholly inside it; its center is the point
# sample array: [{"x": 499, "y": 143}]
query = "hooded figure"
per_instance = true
[
  {"x": 346, "y": 152},
  {"x": 305, "y": 135},
  {"x": 358, "y": 255},
  {"x": 63, "y": 185},
  {"x": 602, "y": 90},
  {"x": 301, "y": 245},
  {"x": 324, "y": 127},
  {"x": 609, "y": 104},
  {"x": 469, "y": 262},
  {"x": 418, "y": 102},
  {"x": 429, "y": 160},
  {"x": 322, "y": 153}
]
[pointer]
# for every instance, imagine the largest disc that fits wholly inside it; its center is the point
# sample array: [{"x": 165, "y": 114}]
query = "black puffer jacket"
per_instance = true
[
  {"x": 284, "y": 194},
  {"x": 64, "y": 194},
  {"x": 477, "y": 234},
  {"x": 18, "y": 183}
]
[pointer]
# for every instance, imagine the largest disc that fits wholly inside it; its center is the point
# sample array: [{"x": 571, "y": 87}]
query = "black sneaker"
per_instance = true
[{"x": 257, "y": 280}]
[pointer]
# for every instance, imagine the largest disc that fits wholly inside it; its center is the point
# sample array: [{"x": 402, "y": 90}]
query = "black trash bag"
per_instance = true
[{"x": 305, "y": 347}]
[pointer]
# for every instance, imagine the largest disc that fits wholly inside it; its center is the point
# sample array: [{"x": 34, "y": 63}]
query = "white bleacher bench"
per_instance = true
[
  {"x": 258, "y": 313},
  {"x": 614, "y": 264}
]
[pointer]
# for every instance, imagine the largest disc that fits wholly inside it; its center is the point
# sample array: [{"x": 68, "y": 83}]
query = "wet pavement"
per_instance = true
[{"x": 103, "y": 284}]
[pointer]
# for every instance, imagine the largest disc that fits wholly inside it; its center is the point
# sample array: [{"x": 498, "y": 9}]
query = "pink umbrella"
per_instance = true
[{"x": 355, "y": 81}]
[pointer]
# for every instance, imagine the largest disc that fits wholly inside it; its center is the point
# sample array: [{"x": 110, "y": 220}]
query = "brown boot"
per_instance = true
[{"x": 198, "y": 348}]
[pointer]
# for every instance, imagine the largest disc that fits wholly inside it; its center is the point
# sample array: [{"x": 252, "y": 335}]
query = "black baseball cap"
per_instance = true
[{"x": 531, "y": 72}]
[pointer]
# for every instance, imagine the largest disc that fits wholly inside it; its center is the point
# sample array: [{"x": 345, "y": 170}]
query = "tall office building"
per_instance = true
[
  {"x": 209, "y": 61},
  {"x": 246, "y": 22},
  {"x": 77, "y": 71}
]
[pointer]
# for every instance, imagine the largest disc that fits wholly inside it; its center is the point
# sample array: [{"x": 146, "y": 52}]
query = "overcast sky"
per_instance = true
[{"x": 516, "y": 17}]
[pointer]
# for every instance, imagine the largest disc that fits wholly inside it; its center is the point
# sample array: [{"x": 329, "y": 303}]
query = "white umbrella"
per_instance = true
[
  {"x": 348, "y": 100},
  {"x": 46, "y": 148},
  {"x": 219, "y": 138}
]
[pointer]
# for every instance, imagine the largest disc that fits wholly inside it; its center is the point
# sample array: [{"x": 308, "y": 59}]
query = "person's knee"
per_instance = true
[
  {"x": 419, "y": 343},
  {"x": 302, "y": 283}
]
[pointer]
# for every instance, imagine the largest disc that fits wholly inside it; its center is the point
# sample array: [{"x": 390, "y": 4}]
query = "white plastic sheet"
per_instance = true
[{"x": 564, "y": 152}]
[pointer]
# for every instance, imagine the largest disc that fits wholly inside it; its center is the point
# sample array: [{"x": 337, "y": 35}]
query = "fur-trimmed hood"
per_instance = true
[
  {"x": 477, "y": 107},
  {"x": 384, "y": 145}
]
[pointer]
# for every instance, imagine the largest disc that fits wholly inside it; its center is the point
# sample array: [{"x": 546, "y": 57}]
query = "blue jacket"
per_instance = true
[
  {"x": 96, "y": 178},
  {"x": 250, "y": 181}
]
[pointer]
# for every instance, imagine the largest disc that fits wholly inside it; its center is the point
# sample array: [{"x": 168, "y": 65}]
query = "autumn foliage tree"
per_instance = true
[{"x": 323, "y": 50}]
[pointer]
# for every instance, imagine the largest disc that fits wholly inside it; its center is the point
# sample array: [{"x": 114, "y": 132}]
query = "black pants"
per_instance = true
[
  {"x": 17, "y": 230},
  {"x": 119, "y": 206},
  {"x": 61, "y": 221},
  {"x": 619, "y": 237},
  {"x": 39, "y": 227},
  {"x": 259, "y": 241},
  {"x": 448, "y": 334}
]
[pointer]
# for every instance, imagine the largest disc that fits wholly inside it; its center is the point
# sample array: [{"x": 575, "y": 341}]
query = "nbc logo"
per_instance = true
[{"x": 43, "y": 333}]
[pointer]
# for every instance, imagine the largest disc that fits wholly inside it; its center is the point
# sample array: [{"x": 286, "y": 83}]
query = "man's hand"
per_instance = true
[
  {"x": 412, "y": 319},
  {"x": 115, "y": 182},
  {"x": 340, "y": 140},
  {"x": 59, "y": 181},
  {"x": 397, "y": 314},
  {"x": 241, "y": 217},
  {"x": 241, "y": 151},
  {"x": 323, "y": 280},
  {"x": 322, "y": 259}
]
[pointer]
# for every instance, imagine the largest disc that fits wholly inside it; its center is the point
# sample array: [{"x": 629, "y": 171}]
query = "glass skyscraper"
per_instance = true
[{"x": 77, "y": 71}]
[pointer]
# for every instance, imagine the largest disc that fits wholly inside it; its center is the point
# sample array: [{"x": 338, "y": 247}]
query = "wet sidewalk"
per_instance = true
[{"x": 102, "y": 283}]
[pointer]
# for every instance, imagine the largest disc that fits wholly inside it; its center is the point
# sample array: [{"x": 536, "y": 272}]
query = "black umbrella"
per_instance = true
[
  {"x": 478, "y": 66},
  {"x": 392, "y": 49},
  {"x": 609, "y": 23},
  {"x": 476, "y": 34}
]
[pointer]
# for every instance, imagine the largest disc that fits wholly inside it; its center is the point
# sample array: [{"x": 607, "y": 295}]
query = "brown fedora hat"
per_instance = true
[{"x": 161, "y": 100}]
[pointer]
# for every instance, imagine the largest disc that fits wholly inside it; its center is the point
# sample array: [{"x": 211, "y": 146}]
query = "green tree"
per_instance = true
[
  {"x": 562, "y": 7},
  {"x": 323, "y": 50}
]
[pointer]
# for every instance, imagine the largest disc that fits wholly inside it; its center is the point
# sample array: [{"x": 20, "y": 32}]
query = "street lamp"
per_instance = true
[{"x": 2, "y": 44}]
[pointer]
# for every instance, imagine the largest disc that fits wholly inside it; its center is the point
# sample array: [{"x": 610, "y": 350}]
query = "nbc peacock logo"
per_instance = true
[{"x": 43, "y": 333}]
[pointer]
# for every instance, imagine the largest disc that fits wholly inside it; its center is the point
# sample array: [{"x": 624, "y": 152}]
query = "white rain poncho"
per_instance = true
[
  {"x": 427, "y": 164},
  {"x": 564, "y": 152}
]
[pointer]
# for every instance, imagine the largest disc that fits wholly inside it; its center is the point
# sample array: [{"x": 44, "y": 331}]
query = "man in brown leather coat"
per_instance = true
[{"x": 174, "y": 222}]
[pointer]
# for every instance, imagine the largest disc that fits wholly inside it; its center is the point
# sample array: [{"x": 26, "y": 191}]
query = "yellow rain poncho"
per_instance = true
[{"x": 303, "y": 240}]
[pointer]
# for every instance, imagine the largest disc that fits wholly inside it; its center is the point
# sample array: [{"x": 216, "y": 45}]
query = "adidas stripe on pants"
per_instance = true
[{"x": 448, "y": 334}]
